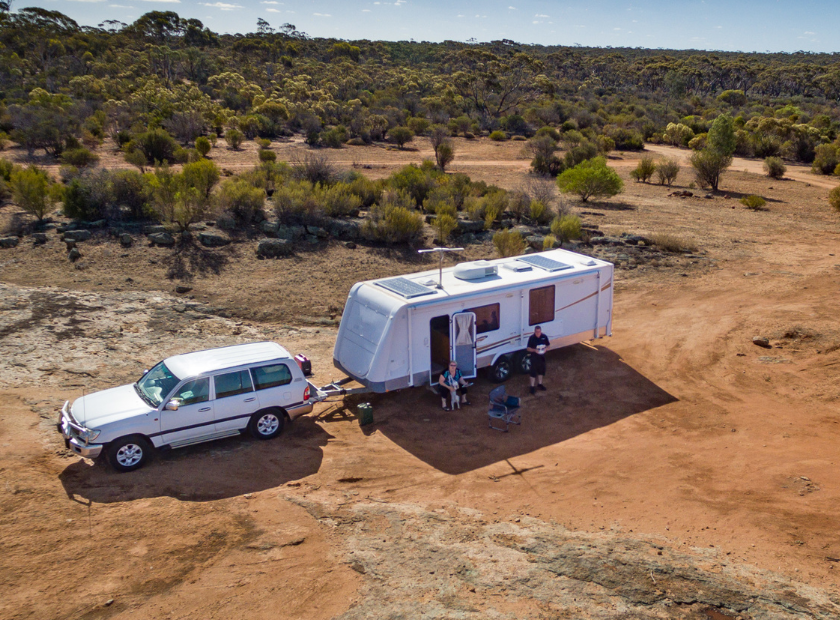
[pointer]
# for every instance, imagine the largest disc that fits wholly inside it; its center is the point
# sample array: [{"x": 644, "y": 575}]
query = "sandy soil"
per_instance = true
[{"x": 670, "y": 469}]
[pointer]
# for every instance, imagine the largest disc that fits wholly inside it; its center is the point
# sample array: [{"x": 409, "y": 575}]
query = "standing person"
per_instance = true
[
  {"x": 451, "y": 382},
  {"x": 537, "y": 345}
]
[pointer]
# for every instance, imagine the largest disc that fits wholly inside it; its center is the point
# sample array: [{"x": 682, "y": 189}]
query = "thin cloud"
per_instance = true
[
  {"x": 322, "y": 15},
  {"x": 224, "y": 6},
  {"x": 511, "y": 8},
  {"x": 809, "y": 32},
  {"x": 164, "y": 1},
  {"x": 365, "y": 10},
  {"x": 273, "y": 11},
  {"x": 542, "y": 16}
]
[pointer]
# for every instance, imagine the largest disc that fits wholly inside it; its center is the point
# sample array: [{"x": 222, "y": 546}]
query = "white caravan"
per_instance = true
[{"x": 401, "y": 332}]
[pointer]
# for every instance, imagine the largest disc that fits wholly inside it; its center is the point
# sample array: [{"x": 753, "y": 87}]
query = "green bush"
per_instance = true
[
  {"x": 241, "y": 200},
  {"x": 580, "y": 153},
  {"x": 202, "y": 145},
  {"x": 539, "y": 212},
  {"x": 837, "y": 171},
  {"x": 339, "y": 201},
  {"x": 296, "y": 203},
  {"x": 263, "y": 143},
  {"x": 32, "y": 191},
  {"x": 667, "y": 171},
  {"x": 267, "y": 156},
  {"x": 549, "y": 242},
  {"x": 401, "y": 135},
  {"x": 157, "y": 146},
  {"x": 393, "y": 224},
  {"x": 549, "y": 131},
  {"x": 591, "y": 178},
  {"x": 136, "y": 158},
  {"x": 444, "y": 224},
  {"x": 644, "y": 170},
  {"x": 498, "y": 136},
  {"x": 566, "y": 227},
  {"x": 508, "y": 243},
  {"x": 416, "y": 180},
  {"x": 336, "y": 137},
  {"x": 418, "y": 125},
  {"x": 775, "y": 167},
  {"x": 234, "y": 138},
  {"x": 834, "y": 198},
  {"x": 90, "y": 196},
  {"x": 129, "y": 191},
  {"x": 826, "y": 159},
  {"x": 709, "y": 165},
  {"x": 79, "y": 157},
  {"x": 756, "y": 203},
  {"x": 519, "y": 203}
]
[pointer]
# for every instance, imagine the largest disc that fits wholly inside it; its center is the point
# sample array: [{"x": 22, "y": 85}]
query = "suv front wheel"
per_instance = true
[
  {"x": 129, "y": 453},
  {"x": 267, "y": 424}
]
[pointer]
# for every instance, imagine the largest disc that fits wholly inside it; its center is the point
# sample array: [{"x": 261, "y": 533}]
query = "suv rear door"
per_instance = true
[
  {"x": 235, "y": 401},
  {"x": 273, "y": 382}
]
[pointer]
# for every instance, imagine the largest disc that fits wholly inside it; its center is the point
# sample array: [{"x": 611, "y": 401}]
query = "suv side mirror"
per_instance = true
[{"x": 172, "y": 405}]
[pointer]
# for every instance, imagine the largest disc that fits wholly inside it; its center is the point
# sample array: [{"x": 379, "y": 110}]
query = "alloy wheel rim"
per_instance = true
[
  {"x": 267, "y": 424},
  {"x": 129, "y": 455}
]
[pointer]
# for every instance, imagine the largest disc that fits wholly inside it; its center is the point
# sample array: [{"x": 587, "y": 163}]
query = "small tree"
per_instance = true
[
  {"x": 267, "y": 156},
  {"x": 774, "y": 167},
  {"x": 444, "y": 154},
  {"x": 591, "y": 178},
  {"x": 709, "y": 165},
  {"x": 722, "y": 138},
  {"x": 545, "y": 162},
  {"x": 508, "y": 243},
  {"x": 202, "y": 145},
  {"x": 667, "y": 171},
  {"x": 834, "y": 198},
  {"x": 401, "y": 135},
  {"x": 444, "y": 225},
  {"x": 32, "y": 191},
  {"x": 566, "y": 227},
  {"x": 137, "y": 158},
  {"x": 234, "y": 138},
  {"x": 644, "y": 170}
]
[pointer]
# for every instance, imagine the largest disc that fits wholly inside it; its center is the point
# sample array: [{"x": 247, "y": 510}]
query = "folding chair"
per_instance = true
[{"x": 503, "y": 408}]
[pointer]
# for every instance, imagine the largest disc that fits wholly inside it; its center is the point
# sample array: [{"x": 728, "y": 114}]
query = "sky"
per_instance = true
[{"x": 731, "y": 25}]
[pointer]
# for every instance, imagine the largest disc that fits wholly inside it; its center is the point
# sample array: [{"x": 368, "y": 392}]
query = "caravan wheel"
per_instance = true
[
  {"x": 501, "y": 370},
  {"x": 522, "y": 362}
]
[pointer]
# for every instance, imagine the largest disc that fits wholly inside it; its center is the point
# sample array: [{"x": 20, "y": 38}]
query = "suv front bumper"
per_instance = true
[{"x": 65, "y": 425}]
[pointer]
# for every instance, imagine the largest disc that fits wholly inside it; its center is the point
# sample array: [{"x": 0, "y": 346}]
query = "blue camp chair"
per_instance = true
[{"x": 503, "y": 408}]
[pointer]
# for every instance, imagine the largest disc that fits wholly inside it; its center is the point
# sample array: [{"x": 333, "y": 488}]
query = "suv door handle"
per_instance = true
[
  {"x": 248, "y": 400},
  {"x": 205, "y": 409}
]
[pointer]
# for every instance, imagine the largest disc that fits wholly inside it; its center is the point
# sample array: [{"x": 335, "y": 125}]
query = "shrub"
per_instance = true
[
  {"x": 498, "y": 136},
  {"x": 339, "y": 201},
  {"x": 677, "y": 134},
  {"x": 605, "y": 144},
  {"x": 508, "y": 243},
  {"x": 667, "y": 171},
  {"x": 79, "y": 157},
  {"x": 263, "y": 143},
  {"x": 336, "y": 137},
  {"x": 393, "y": 224},
  {"x": 202, "y": 176},
  {"x": 826, "y": 159},
  {"x": 417, "y": 181},
  {"x": 242, "y": 200},
  {"x": 591, "y": 178},
  {"x": 90, "y": 196},
  {"x": 755, "y": 203},
  {"x": 129, "y": 191},
  {"x": 774, "y": 167},
  {"x": 698, "y": 143},
  {"x": 32, "y": 191},
  {"x": 834, "y": 198},
  {"x": 566, "y": 227},
  {"x": 234, "y": 138},
  {"x": 709, "y": 165},
  {"x": 418, "y": 125},
  {"x": 549, "y": 131},
  {"x": 202, "y": 145},
  {"x": 644, "y": 170},
  {"x": 296, "y": 203},
  {"x": 4, "y": 140},
  {"x": 672, "y": 243},
  {"x": 627, "y": 139},
  {"x": 444, "y": 224},
  {"x": 580, "y": 153},
  {"x": 837, "y": 171},
  {"x": 137, "y": 158},
  {"x": 401, "y": 135},
  {"x": 549, "y": 242},
  {"x": 519, "y": 203},
  {"x": 539, "y": 212},
  {"x": 157, "y": 145},
  {"x": 314, "y": 167},
  {"x": 267, "y": 156}
]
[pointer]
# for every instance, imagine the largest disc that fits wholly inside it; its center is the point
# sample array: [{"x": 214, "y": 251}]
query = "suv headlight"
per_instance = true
[{"x": 88, "y": 435}]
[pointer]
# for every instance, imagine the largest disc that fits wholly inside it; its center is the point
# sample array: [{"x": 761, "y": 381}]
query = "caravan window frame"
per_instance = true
[
  {"x": 479, "y": 313},
  {"x": 543, "y": 315}
]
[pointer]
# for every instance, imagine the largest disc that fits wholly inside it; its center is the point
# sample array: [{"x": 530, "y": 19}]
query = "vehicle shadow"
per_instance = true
[
  {"x": 205, "y": 472},
  {"x": 588, "y": 388}
]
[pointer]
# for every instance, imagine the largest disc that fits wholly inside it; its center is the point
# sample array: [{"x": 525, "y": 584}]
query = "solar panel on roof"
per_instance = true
[
  {"x": 542, "y": 262},
  {"x": 405, "y": 287}
]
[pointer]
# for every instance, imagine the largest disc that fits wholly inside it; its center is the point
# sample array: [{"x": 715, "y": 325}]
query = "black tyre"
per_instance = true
[
  {"x": 267, "y": 424},
  {"x": 522, "y": 362},
  {"x": 501, "y": 370},
  {"x": 129, "y": 453}
]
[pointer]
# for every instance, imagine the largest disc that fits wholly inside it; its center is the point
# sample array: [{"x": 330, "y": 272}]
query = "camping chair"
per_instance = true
[{"x": 503, "y": 408}]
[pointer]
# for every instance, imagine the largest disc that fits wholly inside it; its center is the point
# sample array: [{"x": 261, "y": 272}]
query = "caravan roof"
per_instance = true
[{"x": 421, "y": 288}]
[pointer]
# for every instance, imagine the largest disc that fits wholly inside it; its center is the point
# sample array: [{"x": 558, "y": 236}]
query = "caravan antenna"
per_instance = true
[{"x": 440, "y": 252}]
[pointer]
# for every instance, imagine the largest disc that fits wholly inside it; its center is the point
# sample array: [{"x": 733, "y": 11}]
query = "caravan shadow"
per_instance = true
[
  {"x": 588, "y": 388},
  {"x": 204, "y": 472}
]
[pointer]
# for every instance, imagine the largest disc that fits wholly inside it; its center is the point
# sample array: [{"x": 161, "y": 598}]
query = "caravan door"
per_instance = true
[{"x": 463, "y": 343}]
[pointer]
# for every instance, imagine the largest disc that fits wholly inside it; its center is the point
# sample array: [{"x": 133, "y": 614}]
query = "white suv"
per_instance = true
[{"x": 188, "y": 399}]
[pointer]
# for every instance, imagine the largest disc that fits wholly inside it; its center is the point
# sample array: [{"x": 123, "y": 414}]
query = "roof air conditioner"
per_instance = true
[{"x": 474, "y": 270}]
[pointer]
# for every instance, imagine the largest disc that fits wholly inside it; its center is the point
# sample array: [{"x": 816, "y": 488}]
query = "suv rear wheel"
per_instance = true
[
  {"x": 267, "y": 424},
  {"x": 129, "y": 453}
]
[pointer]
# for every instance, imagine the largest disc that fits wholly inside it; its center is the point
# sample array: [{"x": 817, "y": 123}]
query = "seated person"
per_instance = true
[{"x": 451, "y": 382}]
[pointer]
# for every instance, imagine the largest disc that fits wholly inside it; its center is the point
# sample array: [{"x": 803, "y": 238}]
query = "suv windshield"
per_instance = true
[{"x": 157, "y": 383}]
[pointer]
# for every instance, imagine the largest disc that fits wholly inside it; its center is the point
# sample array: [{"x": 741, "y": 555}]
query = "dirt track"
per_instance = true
[{"x": 675, "y": 436}]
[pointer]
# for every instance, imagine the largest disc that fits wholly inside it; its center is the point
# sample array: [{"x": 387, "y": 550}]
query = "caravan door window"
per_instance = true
[
  {"x": 541, "y": 305},
  {"x": 486, "y": 318}
]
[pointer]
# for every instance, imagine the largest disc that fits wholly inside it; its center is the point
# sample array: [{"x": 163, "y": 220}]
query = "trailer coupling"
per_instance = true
[{"x": 320, "y": 394}]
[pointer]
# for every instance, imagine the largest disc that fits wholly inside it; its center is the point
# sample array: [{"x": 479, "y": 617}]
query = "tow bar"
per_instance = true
[{"x": 320, "y": 394}]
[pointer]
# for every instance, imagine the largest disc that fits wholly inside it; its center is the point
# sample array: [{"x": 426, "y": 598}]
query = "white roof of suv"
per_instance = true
[{"x": 200, "y": 362}]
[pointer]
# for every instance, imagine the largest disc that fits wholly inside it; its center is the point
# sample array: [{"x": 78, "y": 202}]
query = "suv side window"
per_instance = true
[
  {"x": 232, "y": 383},
  {"x": 195, "y": 391},
  {"x": 271, "y": 376}
]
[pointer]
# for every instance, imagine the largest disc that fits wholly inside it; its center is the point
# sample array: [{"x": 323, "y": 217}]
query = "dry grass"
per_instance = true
[{"x": 673, "y": 243}]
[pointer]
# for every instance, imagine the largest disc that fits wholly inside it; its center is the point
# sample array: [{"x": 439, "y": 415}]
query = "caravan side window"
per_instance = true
[
  {"x": 486, "y": 318},
  {"x": 541, "y": 305}
]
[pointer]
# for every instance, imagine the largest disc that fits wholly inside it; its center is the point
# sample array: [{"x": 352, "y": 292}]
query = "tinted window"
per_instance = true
[
  {"x": 271, "y": 376},
  {"x": 541, "y": 305},
  {"x": 195, "y": 391},
  {"x": 486, "y": 318},
  {"x": 232, "y": 383}
]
